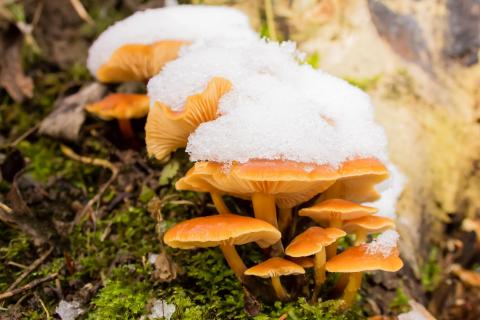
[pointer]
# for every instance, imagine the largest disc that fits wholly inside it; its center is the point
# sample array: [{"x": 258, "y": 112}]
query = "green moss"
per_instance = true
[
  {"x": 313, "y": 60},
  {"x": 400, "y": 303},
  {"x": 120, "y": 300},
  {"x": 430, "y": 273},
  {"x": 366, "y": 83}
]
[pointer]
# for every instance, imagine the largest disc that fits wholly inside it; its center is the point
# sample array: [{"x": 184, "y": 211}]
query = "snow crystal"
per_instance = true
[
  {"x": 162, "y": 310},
  {"x": 390, "y": 190},
  {"x": 277, "y": 108},
  {"x": 384, "y": 243},
  {"x": 68, "y": 310},
  {"x": 184, "y": 22},
  {"x": 152, "y": 258}
]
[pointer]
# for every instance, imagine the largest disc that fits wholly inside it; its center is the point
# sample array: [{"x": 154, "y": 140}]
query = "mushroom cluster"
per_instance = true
[{"x": 259, "y": 124}]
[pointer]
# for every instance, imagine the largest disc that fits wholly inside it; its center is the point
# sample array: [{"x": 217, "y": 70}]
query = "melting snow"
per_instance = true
[
  {"x": 384, "y": 243},
  {"x": 184, "y": 22},
  {"x": 68, "y": 310},
  {"x": 162, "y": 310},
  {"x": 277, "y": 108}
]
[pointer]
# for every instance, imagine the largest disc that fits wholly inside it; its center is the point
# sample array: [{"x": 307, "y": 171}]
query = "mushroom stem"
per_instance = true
[
  {"x": 284, "y": 218},
  {"x": 126, "y": 128},
  {"x": 279, "y": 289},
  {"x": 335, "y": 222},
  {"x": 270, "y": 20},
  {"x": 264, "y": 208},
  {"x": 233, "y": 260},
  {"x": 354, "y": 283},
  {"x": 360, "y": 237},
  {"x": 219, "y": 203},
  {"x": 319, "y": 267},
  {"x": 341, "y": 284}
]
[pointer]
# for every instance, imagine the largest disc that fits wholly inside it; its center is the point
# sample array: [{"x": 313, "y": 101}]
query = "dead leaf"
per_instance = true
[
  {"x": 165, "y": 269},
  {"x": 468, "y": 277},
  {"x": 68, "y": 115},
  {"x": 12, "y": 78}
]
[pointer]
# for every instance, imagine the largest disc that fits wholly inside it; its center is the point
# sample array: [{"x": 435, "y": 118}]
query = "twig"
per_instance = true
[
  {"x": 43, "y": 306},
  {"x": 25, "y": 135},
  {"x": 96, "y": 162},
  {"x": 82, "y": 13},
  {"x": 28, "y": 286},
  {"x": 5, "y": 208},
  {"x": 270, "y": 20},
  {"x": 32, "y": 267}
]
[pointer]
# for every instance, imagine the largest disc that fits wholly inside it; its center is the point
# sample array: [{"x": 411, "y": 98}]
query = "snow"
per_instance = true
[
  {"x": 390, "y": 190},
  {"x": 384, "y": 243},
  {"x": 277, "y": 109},
  {"x": 162, "y": 310},
  {"x": 68, "y": 310},
  {"x": 183, "y": 22}
]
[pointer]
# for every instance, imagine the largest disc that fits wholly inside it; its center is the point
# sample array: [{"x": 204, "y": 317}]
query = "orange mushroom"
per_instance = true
[
  {"x": 333, "y": 212},
  {"x": 274, "y": 268},
  {"x": 224, "y": 230},
  {"x": 266, "y": 182},
  {"x": 166, "y": 130},
  {"x": 364, "y": 226},
  {"x": 358, "y": 259},
  {"x": 138, "y": 62},
  {"x": 313, "y": 242},
  {"x": 123, "y": 107}
]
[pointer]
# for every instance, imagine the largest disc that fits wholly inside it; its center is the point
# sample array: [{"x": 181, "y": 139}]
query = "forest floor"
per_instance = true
[{"x": 89, "y": 213}]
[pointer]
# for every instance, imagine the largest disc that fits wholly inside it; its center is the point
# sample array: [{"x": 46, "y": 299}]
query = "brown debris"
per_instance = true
[{"x": 12, "y": 78}]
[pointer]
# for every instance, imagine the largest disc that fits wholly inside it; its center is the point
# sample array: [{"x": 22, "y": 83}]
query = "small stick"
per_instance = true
[
  {"x": 32, "y": 267},
  {"x": 96, "y": 162},
  {"x": 28, "y": 286}
]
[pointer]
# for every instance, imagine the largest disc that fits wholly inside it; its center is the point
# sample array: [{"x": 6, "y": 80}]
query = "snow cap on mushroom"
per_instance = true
[{"x": 178, "y": 25}]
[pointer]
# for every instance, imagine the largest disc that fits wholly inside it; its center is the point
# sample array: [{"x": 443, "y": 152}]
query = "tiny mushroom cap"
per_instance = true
[
  {"x": 370, "y": 224},
  {"x": 167, "y": 130},
  {"x": 380, "y": 254},
  {"x": 228, "y": 229},
  {"x": 321, "y": 212},
  {"x": 275, "y": 267},
  {"x": 120, "y": 106},
  {"x": 312, "y": 241}
]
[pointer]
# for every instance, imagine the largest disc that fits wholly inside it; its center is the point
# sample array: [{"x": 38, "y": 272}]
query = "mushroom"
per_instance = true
[
  {"x": 333, "y": 212},
  {"x": 358, "y": 180},
  {"x": 313, "y": 242},
  {"x": 274, "y": 268},
  {"x": 364, "y": 226},
  {"x": 304, "y": 262},
  {"x": 167, "y": 130},
  {"x": 137, "y": 48},
  {"x": 380, "y": 254},
  {"x": 123, "y": 107},
  {"x": 224, "y": 230}
]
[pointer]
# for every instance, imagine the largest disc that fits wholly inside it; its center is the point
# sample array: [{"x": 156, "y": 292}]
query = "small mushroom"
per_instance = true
[
  {"x": 123, "y": 107},
  {"x": 225, "y": 231},
  {"x": 313, "y": 242},
  {"x": 334, "y": 212},
  {"x": 274, "y": 268},
  {"x": 381, "y": 254},
  {"x": 167, "y": 130},
  {"x": 364, "y": 226}
]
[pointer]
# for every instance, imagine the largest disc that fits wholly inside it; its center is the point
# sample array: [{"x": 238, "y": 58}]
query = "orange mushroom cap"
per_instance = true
[
  {"x": 312, "y": 241},
  {"x": 166, "y": 130},
  {"x": 120, "y": 106},
  {"x": 304, "y": 262},
  {"x": 358, "y": 259},
  {"x": 358, "y": 178},
  {"x": 372, "y": 224},
  {"x": 291, "y": 182},
  {"x": 227, "y": 229},
  {"x": 322, "y": 211},
  {"x": 274, "y": 267},
  {"x": 138, "y": 62}
]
